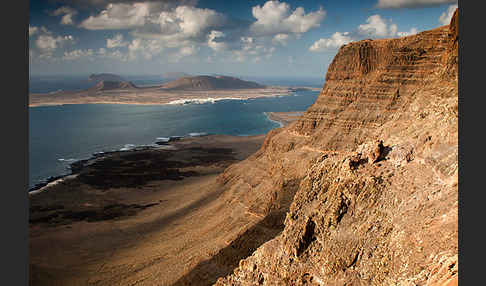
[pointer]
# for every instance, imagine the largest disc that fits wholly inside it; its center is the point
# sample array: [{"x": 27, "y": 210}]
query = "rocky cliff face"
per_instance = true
[{"x": 370, "y": 173}]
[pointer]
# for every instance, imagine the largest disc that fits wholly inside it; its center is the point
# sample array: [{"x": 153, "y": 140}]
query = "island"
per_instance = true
[{"x": 192, "y": 89}]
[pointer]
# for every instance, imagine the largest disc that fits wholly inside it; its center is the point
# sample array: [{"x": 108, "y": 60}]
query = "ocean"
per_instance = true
[{"x": 60, "y": 135}]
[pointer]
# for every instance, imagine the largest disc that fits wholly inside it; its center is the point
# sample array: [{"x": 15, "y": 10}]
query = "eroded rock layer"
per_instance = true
[{"x": 370, "y": 173}]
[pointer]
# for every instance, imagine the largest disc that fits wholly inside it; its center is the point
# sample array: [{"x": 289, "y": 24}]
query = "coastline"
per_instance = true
[{"x": 283, "y": 118}]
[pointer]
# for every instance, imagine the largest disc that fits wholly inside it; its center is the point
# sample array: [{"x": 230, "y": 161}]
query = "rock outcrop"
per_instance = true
[{"x": 369, "y": 171}]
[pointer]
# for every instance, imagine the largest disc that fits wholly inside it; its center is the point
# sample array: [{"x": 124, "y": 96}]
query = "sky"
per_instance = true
[{"x": 281, "y": 38}]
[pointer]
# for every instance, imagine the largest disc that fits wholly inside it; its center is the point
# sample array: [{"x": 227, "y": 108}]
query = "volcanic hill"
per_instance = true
[
  {"x": 210, "y": 83},
  {"x": 105, "y": 77},
  {"x": 366, "y": 181},
  {"x": 109, "y": 85}
]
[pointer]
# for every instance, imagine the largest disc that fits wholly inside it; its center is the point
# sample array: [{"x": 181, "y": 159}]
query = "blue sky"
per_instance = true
[{"x": 247, "y": 38}]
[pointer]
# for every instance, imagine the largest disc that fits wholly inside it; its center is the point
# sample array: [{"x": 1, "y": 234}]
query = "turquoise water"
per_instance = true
[{"x": 60, "y": 135}]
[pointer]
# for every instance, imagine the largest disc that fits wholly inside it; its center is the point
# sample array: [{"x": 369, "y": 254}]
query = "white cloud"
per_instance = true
[
  {"x": 33, "y": 30},
  {"x": 185, "y": 26},
  {"x": 192, "y": 21},
  {"x": 446, "y": 17},
  {"x": 145, "y": 48},
  {"x": 115, "y": 55},
  {"x": 116, "y": 41},
  {"x": 68, "y": 13},
  {"x": 335, "y": 41},
  {"x": 376, "y": 26},
  {"x": 275, "y": 17},
  {"x": 119, "y": 16},
  {"x": 49, "y": 43},
  {"x": 412, "y": 31},
  {"x": 76, "y": 54},
  {"x": 252, "y": 48},
  {"x": 215, "y": 45},
  {"x": 280, "y": 39},
  {"x": 394, "y": 4}
]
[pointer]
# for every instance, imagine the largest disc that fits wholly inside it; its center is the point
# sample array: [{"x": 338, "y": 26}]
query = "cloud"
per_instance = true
[
  {"x": 68, "y": 13},
  {"x": 49, "y": 43},
  {"x": 119, "y": 16},
  {"x": 335, "y": 41},
  {"x": 252, "y": 48},
  {"x": 377, "y": 27},
  {"x": 280, "y": 39},
  {"x": 192, "y": 21},
  {"x": 76, "y": 54},
  {"x": 275, "y": 17},
  {"x": 396, "y": 4},
  {"x": 33, "y": 30},
  {"x": 115, "y": 55},
  {"x": 46, "y": 44},
  {"x": 412, "y": 31},
  {"x": 183, "y": 52},
  {"x": 115, "y": 42},
  {"x": 165, "y": 4},
  {"x": 216, "y": 45},
  {"x": 187, "y": 28},
  {"x": 145, "y": 48},
  {"x": 446, "y": 17}
]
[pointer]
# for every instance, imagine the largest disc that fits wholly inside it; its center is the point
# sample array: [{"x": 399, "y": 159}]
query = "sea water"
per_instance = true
[{"x": 60, "y": 135}]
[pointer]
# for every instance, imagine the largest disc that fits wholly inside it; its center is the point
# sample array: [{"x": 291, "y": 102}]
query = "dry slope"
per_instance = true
[{"x": 375, "y": 165}]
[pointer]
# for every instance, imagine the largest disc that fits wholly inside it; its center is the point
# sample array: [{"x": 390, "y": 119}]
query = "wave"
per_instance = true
[
  {"x": 202, "y": 100},
  {"x": 67, "y": 160},
  {"x": 274, "y": 121},
  {"x": 127, "y": 147},
  {"x": 197, "y": 134}
]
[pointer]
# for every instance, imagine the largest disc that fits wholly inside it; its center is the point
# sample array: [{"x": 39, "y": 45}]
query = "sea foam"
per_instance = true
[{"x": 202, "y": 100}]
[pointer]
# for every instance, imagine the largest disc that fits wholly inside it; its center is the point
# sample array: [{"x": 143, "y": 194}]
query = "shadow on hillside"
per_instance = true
[{"x": 228, "y": 258}]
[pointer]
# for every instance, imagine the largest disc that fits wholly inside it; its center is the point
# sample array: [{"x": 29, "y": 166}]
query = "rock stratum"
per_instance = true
[{"x": 367, "y": 178}]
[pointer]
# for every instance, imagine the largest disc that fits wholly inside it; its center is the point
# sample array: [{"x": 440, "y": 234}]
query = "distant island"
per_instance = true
[
  {"x": 169, "y": 76},
  {"x": 106, "y": 77},
  {"x": 114, "y": 89},
  {"x": 205, "y": 83}
]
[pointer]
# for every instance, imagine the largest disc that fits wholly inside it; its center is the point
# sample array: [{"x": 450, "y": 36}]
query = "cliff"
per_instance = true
[{"x": 367, "y": 177}]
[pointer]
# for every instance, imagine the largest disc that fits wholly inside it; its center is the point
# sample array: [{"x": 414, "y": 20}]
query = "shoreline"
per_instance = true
[
  {"x": 280, "y": 118},
  {"x": 268, "y": 115},
  {"x": 284, "y": 118},
  {"x": 76, "y": 166}
]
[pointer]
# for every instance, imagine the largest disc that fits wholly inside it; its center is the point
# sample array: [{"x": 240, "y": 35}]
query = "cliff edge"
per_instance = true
[{"x": 367, "y": 177}]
